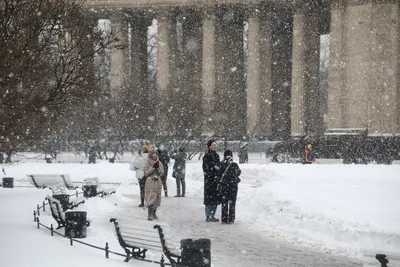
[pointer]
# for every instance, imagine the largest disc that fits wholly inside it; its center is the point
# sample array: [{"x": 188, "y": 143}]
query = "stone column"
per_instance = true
[
  {"x": 192, "y": 66},
  {"x": 119, "y": 55},
  {"x": 281, "y": 53},
  {"x": 259, "y": 95},
  {"x": 138, "y": 80},
  {"x": 231, "y": 82},
  {"x": 306, "y": 113},
  {"x": 253, "y": 73},
  {"x": 208, "y": 72},
  {"x": 337, "y": 90},
  {"x": 357, "y": 60},
  {"x": 265, "y": 103},
  {"x": 383, "y": 105},
  {"x": 163, "y": 51},
  {"x": 166, "y": 80}
]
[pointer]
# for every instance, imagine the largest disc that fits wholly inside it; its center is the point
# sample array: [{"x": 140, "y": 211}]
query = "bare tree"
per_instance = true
[{"x": 46, "y": 65}]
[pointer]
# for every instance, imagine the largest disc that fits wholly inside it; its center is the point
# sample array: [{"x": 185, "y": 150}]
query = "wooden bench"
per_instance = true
[
  {"x": 137, "y": 237},
  {"x": 50, "y": 180},
  {"x": 380, "y": 259},
  {"x": 93, "y": 187},
  {"x": 58, "y": 213}
]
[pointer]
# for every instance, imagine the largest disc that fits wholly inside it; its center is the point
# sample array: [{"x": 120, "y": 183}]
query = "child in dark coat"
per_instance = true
[{"x": 228, "y": 187}]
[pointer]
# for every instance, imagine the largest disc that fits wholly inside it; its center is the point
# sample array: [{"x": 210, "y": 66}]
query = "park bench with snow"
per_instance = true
[
  {"x": 139, "y": 236},
  {"x": 380, "y": 259},
  {"x": 92, "y": 187},
  {"x": 50, "y": 180},
  {"x": 58, "y": 213}
]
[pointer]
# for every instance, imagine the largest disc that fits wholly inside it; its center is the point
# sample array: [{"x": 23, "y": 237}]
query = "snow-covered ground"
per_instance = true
[{"x": 333, "y": 210}]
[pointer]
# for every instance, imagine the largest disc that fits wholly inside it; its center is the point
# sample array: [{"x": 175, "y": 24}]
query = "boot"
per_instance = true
[
  {"x": 213, "y": 219},
  {"x": 165, "y": 193},
  {"x": 154, "y": 214},
  {"x": 141, "y": 205},
  {"x": 151, "y": 213},
  {"x": 177, "y": 195}
]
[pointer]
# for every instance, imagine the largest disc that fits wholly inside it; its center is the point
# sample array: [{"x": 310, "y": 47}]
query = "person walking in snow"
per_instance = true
[
  {"x": 179, "y": 170},
  {"x": 309, "y": 157},
  {"x": 153, "y": 171},
  {"x": 229, "y": 173},
  {"x": 137, "y": 165},
  {"x": 210, "y": 168}
]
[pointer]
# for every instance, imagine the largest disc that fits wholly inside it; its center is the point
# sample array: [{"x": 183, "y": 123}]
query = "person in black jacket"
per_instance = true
[
  {"x": 179, "y": 170},
  {"x": 210, "y": 169},
  {"x": 164, "y": 158},
  {"x": 228, "y": 187}
]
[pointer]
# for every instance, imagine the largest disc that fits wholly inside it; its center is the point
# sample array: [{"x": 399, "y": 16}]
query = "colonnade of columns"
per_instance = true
[
  {"x": 209, "y": 83},
  {"x": 364, "y": 86}
]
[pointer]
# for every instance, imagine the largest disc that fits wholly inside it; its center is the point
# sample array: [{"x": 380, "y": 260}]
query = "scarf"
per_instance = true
[{"x": 228, "y": 159}]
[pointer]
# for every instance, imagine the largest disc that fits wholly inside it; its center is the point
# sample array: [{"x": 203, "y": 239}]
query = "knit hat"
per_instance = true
[
  {"x": 228, "y": 153},
  {"x": 145, "y": 148}
]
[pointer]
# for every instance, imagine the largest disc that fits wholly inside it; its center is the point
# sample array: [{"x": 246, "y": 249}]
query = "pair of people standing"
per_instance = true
[
  {"x": 149, "y": 172},
  {"x": 220, "y": 184}
]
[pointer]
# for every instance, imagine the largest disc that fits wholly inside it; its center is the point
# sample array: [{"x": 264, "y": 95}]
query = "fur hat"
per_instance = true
[
  {"x": 145, "y": 148},
  {"x": 209, "y": 142}
]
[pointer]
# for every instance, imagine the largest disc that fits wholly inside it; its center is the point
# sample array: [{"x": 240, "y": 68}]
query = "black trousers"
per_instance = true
[
  {"x": 164, "y": 184},
  {"x": 228, "y": 210},
  {"x": 228, "y": 206},
  {"x": 180, "y": 181},
  {"x": 142, "y": 184}
]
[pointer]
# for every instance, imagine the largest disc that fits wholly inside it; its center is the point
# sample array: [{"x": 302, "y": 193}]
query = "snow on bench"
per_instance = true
[
  {"x": 50, "y": 180},
  {"x": 136, "y": 237},
  {"x": 380, "y": 259},
  {"x": 58, "y": 213},
  {"x": 93, "y": 187}
]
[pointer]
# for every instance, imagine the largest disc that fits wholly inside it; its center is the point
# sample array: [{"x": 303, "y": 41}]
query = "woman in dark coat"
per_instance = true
[
  {"x": 179, "y": 170},
  {"x": 228, "y": 187},
  {"x": 210, "y": 169}
]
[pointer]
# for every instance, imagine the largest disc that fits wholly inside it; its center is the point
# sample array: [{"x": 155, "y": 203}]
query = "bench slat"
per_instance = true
[
  {"x": 143, "y": 235},
  {"x": 145, "y": 239},
  {"x": 130, "y": 239},
  {"x": 137, "y": 228},
  {"x": 50, "y": 180}
]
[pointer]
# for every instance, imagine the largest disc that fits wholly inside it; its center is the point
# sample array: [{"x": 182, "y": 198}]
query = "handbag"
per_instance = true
[
  {"x": 174, "y": 174},
  {"x": 219, "y": 186}
]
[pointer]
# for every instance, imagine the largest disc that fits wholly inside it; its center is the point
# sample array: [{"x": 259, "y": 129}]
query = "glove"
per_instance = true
[{"x": 156, "y": 165}]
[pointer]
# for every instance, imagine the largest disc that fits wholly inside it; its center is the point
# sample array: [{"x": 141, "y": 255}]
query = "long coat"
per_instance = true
[
  {"x": 228, "y": 183},
  {"x": 210, "y": 169},
  {"x": 153, "y": 185},
  {"x": 179, "y": 168}
]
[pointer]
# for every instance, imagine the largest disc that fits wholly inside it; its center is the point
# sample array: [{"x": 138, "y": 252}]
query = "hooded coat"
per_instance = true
[
  {"x": 210, "y": 169},
  {"x": 153, "y": 176}
]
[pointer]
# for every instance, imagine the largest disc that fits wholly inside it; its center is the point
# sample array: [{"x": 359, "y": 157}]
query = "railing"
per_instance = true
[{"x": 106, "y": 249}]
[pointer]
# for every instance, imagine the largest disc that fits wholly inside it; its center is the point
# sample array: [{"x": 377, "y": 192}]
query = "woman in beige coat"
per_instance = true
[{"x": 153, "y": 171}]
